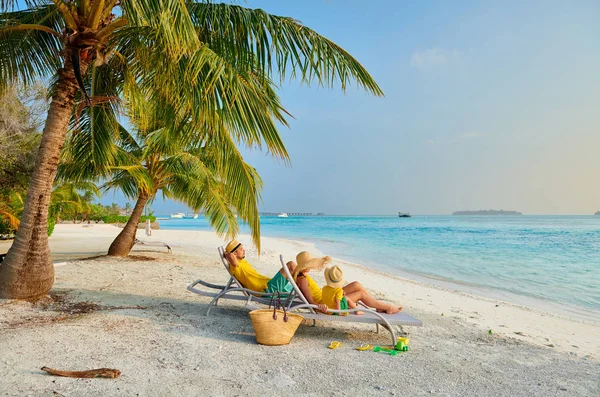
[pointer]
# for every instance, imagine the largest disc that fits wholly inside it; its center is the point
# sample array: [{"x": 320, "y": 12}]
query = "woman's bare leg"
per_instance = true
[{"x": 356, "y": 292}]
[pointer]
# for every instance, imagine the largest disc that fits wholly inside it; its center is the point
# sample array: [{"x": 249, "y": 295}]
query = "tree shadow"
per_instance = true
[{"x": 229, "y": 321}]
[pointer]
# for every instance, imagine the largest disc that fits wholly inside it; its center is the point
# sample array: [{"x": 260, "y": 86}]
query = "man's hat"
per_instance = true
[{"x": 232, "y": 246}]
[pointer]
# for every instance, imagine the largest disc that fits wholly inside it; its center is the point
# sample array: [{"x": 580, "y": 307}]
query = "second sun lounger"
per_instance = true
[
  {"x": 153, "y": 244},
  {"x": 370, "y": 316}
]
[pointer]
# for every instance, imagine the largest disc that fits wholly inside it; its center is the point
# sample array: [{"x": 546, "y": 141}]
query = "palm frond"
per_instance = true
[
  {"x": 255, "y": 39},
  {"x": 10, "y": 216},
  {"x": 203, "y": 92},
  {"x": 170, "y": 20},
  {"x": 29, "y": 54},
  {"x": 131, "y": 180}
]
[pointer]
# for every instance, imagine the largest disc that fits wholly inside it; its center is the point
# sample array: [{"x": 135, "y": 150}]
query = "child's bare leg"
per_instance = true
[{"x": 353, "y": 305}]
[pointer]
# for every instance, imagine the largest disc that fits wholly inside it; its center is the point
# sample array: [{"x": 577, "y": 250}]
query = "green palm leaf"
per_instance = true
[
  {"x": 255, "y": 39},
  {"x": 27, "y": 55}
]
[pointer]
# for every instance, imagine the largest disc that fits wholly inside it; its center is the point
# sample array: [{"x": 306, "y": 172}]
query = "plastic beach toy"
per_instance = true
[
  {"x": 334, "y": 345},
  {"x": 402, "y": 344},
  {"x": 391, "y": 352},
  {"x": 362, "y": 348}
]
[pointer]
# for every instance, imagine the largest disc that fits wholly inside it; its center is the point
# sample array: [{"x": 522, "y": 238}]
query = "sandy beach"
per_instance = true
[{"x": 135, "y": 315}]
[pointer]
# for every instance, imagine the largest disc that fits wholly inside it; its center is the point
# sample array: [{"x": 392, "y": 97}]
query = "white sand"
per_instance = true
[{"x": 144, "y": 322}]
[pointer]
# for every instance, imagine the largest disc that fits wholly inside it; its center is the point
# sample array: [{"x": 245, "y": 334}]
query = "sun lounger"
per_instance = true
[
  {"x": 370, "y": 316},
  {"x": 233, "y": 290},
  {"x": 153, "y": 244}
]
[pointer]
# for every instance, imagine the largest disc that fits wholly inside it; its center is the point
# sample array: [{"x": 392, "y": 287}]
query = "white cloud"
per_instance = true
[
  {"x": 434, "y": 57},
  {"x": 470, "y": 135}
]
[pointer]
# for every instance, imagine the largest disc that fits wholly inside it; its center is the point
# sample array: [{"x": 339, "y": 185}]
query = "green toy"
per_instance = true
[
  {"x": 402, "y": 344},
  {"x": 391, "y": 352}
]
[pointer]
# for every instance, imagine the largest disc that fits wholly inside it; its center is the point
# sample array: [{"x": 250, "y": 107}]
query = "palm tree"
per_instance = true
[
  {"x": 212, "y": 178},
  {"x": 74, "y": 199},
  {"x": 196, "y": 56}
]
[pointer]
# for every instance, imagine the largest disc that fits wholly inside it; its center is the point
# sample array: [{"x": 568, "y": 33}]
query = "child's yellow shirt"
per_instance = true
[{"x": 330, "y": 295}]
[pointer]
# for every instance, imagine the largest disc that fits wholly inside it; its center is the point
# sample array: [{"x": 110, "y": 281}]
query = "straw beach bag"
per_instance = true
[{"x": 274, "y": 327}]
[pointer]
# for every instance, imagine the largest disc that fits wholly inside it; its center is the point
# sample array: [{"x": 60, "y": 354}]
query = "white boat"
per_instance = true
[
  {"x": 282, "y": 215},
  {"x": 193, "y": 216},
  {"x": 177, "y": 215}
]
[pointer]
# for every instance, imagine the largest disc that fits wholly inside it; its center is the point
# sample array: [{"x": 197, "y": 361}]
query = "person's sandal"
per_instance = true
[{"x": 334, "y": 345}]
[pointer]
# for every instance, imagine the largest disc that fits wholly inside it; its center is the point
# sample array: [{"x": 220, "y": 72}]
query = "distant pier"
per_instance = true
[{"x": 289, "y": 213}]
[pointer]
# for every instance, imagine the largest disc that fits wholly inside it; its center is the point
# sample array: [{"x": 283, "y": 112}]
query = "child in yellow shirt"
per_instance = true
[{"x": 333, "y": 294}]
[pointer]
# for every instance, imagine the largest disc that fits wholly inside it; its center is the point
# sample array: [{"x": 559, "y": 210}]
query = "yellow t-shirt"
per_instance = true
[
  {"x": 314, "y": 288},
  {"x": 248, "y": 276},
  {"x": 330, "y": 295}
]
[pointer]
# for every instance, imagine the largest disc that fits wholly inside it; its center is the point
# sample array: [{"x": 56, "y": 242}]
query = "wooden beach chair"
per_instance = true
[
  {"x": 233, "y": 290},
  {"x": 301, "y": 306}
]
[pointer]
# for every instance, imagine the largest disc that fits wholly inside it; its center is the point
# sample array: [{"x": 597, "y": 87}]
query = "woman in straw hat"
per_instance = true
[
  {"x": 309, "y": 287},
  {"x": 314, "y": 294}
]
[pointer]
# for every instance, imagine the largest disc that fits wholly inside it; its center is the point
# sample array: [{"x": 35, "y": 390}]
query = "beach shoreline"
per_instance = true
[
  {"x": 148, "y": 325},
  {"x": 474, "y": 290}
]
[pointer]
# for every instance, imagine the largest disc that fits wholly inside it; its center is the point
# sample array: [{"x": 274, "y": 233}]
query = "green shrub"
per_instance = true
[
  {"x": 115, "y": 219},
  {"x": 124, "y": 219},
  {"x": 51, "y": 223}
]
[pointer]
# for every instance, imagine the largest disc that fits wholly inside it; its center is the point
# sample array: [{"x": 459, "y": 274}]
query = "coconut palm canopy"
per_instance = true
[
  {"x": 209, "y": 176},
  {"x": 204, "y": 60}
]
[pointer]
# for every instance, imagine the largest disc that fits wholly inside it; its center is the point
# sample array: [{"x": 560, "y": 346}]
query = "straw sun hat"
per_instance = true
[
  {"x": 304, "y": 261},
  {"x": 334, "y": 277},
  {"x": 232, "y": 246}
]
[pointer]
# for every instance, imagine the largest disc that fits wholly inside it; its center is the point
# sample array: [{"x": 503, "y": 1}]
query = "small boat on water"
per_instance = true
[
  {"x": 193, "y": 216},
  {"x": 178, "y": 215},
  {"x": 282, "y": 215},
  {"x": 403, "y": 215}
]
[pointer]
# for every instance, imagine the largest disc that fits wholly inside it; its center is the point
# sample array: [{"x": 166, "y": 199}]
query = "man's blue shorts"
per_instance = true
[{"x": 279, "y": 283}]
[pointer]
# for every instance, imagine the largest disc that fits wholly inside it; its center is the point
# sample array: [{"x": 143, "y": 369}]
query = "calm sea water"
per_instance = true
[{"x": 544, "y": 258}]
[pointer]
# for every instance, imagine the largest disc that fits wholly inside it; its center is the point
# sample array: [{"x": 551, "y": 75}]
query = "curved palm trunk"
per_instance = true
[
  {"x": 27, "y": 271},
  {"x": 122, "y": 245}
]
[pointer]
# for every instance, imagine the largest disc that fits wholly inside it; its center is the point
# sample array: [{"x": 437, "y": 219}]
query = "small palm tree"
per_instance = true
[
  {"x": 196, "y": 56},
  {"x": 74, "y": 199},
  {"x": 205, "y": 177}
]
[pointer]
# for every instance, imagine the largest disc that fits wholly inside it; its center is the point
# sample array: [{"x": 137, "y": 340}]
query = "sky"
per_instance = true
[{"x": 488, "y": 105}]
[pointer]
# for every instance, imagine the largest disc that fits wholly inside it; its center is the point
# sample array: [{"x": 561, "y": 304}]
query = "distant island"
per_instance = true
[
  {"x": 597, "y": 212},
  {"x": 487, "y": 212}
]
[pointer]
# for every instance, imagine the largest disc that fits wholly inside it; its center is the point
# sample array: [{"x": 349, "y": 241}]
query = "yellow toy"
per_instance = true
[{"x": 401, "y": 344}]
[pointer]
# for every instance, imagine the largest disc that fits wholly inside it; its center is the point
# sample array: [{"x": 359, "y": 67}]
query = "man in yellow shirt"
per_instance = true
[{"x": 249, "y": 277}]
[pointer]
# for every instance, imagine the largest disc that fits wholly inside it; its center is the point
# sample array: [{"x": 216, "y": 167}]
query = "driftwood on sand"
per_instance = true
[{"x": 90, "y": 373}]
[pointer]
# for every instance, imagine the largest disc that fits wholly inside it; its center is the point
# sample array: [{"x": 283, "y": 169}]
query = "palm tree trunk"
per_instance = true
[
  {"x": 27, "y": 271},
  {"x": 122, "y": 245}
]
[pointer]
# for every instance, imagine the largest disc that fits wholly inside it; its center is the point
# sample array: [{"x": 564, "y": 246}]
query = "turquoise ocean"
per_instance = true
[{"x": 545, "y": 261}]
